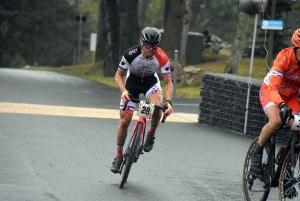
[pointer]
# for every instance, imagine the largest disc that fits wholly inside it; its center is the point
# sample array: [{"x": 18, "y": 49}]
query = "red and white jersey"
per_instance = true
[{"x": 134, "y": 63}]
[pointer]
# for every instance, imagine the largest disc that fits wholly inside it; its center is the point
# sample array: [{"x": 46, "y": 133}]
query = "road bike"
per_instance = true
[
  {"x": 135, "y": 145},
  {"x": 280, "y": 170}
]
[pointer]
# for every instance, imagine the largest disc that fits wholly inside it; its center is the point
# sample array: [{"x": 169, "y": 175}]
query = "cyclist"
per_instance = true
[
  {"x": 278, "y": 96},
  {"x": 140, "y": 63},
  {"x": 212, "y": 42}
]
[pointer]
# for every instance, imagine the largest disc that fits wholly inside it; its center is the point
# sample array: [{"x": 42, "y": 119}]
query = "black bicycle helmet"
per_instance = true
[{"x": 151, "y": 35}]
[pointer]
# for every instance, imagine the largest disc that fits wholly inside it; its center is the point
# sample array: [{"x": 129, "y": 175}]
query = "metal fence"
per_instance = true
[{"x": 223, "y": 104}]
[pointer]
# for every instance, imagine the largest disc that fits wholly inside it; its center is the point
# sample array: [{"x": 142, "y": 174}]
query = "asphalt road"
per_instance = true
[{"x": 57, "y": 142}]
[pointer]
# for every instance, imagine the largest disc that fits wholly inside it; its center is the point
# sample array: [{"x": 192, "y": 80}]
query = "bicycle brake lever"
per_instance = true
[
  {"x": 165, "y": 107},
  {"x": 125, "y": 105},
  {"x": 164, "y": 118},
  {"x": 126, "y": 102}
]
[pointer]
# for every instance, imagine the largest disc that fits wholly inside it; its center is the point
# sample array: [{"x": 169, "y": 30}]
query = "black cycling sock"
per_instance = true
[{"x": 258, "y": 149}]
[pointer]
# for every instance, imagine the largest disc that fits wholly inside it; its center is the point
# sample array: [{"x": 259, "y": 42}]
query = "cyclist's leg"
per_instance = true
[
  {"x": 272, "y": 111},
  {"x": 153, "y": 95},
  {"x": 126, "y": 116},
  {"x": 125, "y": 119}
]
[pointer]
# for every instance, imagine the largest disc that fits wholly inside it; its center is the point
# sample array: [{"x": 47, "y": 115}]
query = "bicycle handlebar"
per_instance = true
[
  {"x": 163, "y": 108},
  {"x": 284, "y": 124}
]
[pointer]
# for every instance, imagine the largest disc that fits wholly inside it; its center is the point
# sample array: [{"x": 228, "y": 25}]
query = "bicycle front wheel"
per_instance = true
[
  {"x": 253, "y": 188},
  {"x": 289, "y": 186},
  {"x": 129, "y": 158}
]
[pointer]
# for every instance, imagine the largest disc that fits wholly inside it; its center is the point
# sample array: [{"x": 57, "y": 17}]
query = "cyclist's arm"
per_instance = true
[
  {"x": 168, "y": 88},
  {"x": 119, "y": 78},
  {"x": 166, "y": 72},
  {"x": 276, "y": 76}
]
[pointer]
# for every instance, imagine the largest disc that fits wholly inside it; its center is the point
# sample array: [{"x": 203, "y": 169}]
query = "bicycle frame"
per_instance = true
[
  {"x": 135, "y": 145},
  {"x": 142, "y": 134},
  {"x": 274, "y": 173}
]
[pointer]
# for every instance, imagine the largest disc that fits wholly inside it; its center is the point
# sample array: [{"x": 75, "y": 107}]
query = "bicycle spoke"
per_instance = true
[
  {"x": 289, "y": 184},
  {"x": 254, "y": 188}
]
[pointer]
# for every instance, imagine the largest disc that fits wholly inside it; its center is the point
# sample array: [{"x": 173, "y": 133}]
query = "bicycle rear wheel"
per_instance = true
[
  {"x": 129, "y": 158},
  {"x": 253, "y": 188},
  {"x": 288, "y": 188}
]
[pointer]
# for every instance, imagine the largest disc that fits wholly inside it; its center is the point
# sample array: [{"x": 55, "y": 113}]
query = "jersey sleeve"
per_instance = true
[
  {"x": 276, "y": 75},
  {"x": 164, "y": 63},
  {"x": 123, "y": 66},
  {"x": 128, "y": 57}
]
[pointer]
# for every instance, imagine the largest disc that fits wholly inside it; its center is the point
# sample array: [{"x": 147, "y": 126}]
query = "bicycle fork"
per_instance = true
[{"x": 139, "y": 149}]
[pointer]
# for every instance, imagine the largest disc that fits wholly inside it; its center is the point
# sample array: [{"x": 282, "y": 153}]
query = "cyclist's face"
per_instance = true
[{"x": 148, "y": 49}]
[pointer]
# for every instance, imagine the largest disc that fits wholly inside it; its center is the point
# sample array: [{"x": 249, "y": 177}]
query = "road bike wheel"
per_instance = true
[
  {"x": 129, "y": 158},
  {"x": 288, "y": 189},
  {"x": 253, "y": 188}
]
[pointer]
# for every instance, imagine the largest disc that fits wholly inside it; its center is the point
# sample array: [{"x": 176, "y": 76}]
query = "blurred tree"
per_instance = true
[
  {"x": 184, "y": 36},
  {"x": 142, "y": 8},
  {"x": 100, "y": 32},
  {"x": 219, "y": 17},
  {"x": 129, "y": 30},
  {"x": 154, "y": 14},
  {"x": 238, "y": 44},
  {"x": 39, "y": 32},
  {"x": 110, "y": 32},
  {"x": 173, "y": 23},
  {"x": 117, "y": 21}
]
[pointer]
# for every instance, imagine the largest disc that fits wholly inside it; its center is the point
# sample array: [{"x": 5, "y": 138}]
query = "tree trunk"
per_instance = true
[
  {"x": 238, "y": 44},
  {"x": 111, "y": 35},
  {"x": 173, "y": 17},
  {"x": 129, "y": 27},
  {"x": 142, "y": 8},
  {"x": 186, "y": 25},
  {"x": 100, "y": 38}
]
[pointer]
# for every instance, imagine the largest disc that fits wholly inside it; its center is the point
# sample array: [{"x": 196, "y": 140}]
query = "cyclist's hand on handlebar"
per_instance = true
[
  {"x": 125, "y": 96},
  {"x": 169, "y": 109},
  {"x": 285, "y": 113}
]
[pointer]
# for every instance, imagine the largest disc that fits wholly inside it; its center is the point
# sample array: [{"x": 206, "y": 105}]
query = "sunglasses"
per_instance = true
[{"x": 149, "y": 45}]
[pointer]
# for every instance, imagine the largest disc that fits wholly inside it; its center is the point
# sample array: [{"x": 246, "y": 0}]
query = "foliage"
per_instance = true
[
  {"x": 154, "y": 14},
  {"x": 219, "y": 17},
  {"x": 39, "y": 32},
  {"x": 45, "y": 32}
]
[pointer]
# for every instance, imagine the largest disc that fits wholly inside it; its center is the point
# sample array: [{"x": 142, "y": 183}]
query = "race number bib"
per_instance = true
[
  {"x": 145, "y": 110},
  {"x": 296, "y": 124}
]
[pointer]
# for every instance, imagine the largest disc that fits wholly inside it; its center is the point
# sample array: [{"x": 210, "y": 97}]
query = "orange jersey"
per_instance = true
[{"x": 284, "y": 77}]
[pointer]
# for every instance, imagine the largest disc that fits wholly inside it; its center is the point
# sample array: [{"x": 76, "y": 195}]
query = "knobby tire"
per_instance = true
[
  {"x": 246, "y": 168},
  {"x": 283, "y": 175},
  {"x": 131, "y": 154}
]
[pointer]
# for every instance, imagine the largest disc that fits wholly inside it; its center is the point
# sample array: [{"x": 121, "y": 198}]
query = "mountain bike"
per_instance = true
[
  {"x": 286, "y": 176},
  {"x": 135, "y": 145}
]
